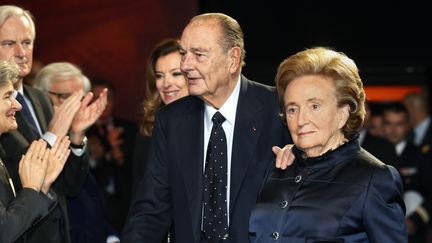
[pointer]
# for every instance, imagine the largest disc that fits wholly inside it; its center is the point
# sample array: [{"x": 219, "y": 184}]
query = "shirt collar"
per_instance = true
[
  {"x": 20, "y": 89},
  {"x": 400, "y": 147},
  {"x": 228, "y": 109}
]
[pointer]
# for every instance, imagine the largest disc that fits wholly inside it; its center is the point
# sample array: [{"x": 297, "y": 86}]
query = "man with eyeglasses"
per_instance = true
[{"x": 87, "y": 216}]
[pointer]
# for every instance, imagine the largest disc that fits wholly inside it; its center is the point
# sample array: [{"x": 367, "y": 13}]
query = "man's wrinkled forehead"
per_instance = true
[{"x": 200, "y": 33}]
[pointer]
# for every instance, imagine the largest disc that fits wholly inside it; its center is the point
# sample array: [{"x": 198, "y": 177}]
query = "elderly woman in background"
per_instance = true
[
  {"x": 38, "y": 169},
  {"x": 335, "y": 191}
]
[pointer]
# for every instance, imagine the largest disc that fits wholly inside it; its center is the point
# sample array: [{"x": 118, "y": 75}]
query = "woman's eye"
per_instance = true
[{"x": 291, "y": 110}]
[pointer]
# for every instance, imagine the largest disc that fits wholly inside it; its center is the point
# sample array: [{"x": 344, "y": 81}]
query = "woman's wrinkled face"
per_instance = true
[
  {"x": 8, "y": 108},
  {"x": 313, "y": 118}
]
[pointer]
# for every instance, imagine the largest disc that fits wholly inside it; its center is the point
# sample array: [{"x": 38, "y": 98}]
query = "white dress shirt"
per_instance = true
[{"x": 228, "y": 110}]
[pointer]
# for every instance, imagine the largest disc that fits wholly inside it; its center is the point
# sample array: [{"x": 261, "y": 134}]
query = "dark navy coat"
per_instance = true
[{"x": 345, "y": 195}]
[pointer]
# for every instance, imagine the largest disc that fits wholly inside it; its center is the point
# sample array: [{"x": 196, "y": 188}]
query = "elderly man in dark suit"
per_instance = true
[
  {"x": 174, "y": 188},
  {"x": 37, "y": 119}
]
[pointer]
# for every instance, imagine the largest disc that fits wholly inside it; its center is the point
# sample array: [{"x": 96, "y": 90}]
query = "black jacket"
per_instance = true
[{"x": 345, "y": 195}]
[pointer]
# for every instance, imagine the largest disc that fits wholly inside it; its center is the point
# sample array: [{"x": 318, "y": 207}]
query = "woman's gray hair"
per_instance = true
[{"x": 8, "y": 73}]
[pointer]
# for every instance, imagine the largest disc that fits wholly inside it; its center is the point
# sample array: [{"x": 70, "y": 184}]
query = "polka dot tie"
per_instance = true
[{"x": 215, "y": 222}]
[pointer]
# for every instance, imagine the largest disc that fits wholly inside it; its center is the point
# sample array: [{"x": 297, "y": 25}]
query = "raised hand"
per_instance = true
[
  {"x": 57, "y": 157},
  {"x": 64, "y": 114},
  {"x": 33, "y": 165},
  {"x": 87, "y": 115}
]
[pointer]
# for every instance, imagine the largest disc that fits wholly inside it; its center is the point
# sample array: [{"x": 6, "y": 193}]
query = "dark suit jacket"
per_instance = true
[
  {"x": 171, "y": 188},
  {"x": 414, "y": 167},
  {"x": 139, "y": 160},
  {"x": 18, "y": 214},
  {"x": 380, "y": 148},
  {"x": 53, "y": 228}
]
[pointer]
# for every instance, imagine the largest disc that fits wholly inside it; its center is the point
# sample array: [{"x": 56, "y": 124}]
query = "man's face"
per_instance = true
[
  {"x": 62, "y": 89},
  {"x": 16, "y": 43},
  {"x": 205, "y": 63},
  {"x": 395, "y": 126}
]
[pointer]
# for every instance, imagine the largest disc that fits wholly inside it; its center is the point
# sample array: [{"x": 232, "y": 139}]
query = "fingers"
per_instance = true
[
  {"x": 63, "y": 159},
  {"x": 87, "y": 99},
  {"x": 33, "y": 165},
  {"x": 102, "y": 101},
  {"x": 61, "y": 144},
  {"x": 21, "y": 164},
  {"x": 284, "y": 156},
  {"x": 40, "y": 150},
  {"x": 58, "y": 156},
  {"x": 64, "y": 114},
  {"x": 72, "y": 103},
  {"x": 45, "y": 158},
  {"x": 60, "y": 148},
  {"x": 36, "y": 151},
  {"x": 276, "y": 150}
]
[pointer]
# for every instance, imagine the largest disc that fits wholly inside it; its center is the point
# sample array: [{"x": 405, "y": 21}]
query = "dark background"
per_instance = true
[{"x": 389, "y": 40}]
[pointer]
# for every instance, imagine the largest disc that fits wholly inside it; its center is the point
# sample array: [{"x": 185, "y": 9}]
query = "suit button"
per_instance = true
[
  {"x": 283, "y": 204},
  {"x": 298, "y": 179},
  {"x": 275, "y": 235},
  {"x": 225, "y": 237}
]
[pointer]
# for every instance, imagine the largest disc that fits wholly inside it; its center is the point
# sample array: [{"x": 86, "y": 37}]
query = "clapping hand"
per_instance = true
[
  {"x": 57, "y": 157},
  {"x": 33, "y": 165}
]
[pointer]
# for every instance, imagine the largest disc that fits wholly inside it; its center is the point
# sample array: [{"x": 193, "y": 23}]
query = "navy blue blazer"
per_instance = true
[
  {"x": 345, "y": 195},
  {"x": 171, "y": 189},
  {"x": 18, "y": 214}
]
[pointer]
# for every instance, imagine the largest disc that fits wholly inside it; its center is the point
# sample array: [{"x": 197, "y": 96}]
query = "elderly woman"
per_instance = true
[
  {"x": 38, "y": 169},
  {"x": 335, "y": 191}
]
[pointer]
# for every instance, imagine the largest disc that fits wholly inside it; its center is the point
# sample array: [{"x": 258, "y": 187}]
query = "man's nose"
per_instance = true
[{"x": 19, "y": 50}]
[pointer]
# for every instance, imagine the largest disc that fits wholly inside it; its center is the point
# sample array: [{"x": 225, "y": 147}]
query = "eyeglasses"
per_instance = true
[{"x": 59, "y": 95}]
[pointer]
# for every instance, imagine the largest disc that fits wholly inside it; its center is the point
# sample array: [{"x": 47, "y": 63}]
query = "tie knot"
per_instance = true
[{"x": 218, "y": 118}]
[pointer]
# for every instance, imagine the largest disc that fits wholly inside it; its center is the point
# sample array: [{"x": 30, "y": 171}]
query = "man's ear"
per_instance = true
[{"x": 235, "y": 58}]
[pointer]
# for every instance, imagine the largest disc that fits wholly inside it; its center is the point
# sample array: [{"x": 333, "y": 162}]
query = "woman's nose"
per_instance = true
[{"x": 16, "y": 105}]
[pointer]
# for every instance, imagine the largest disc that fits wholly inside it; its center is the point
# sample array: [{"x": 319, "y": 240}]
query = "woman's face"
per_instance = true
[
  {"x": 8, "y": 107},
  {"x": 170, "y": 81},
  {"x": 313, "y": 118}
]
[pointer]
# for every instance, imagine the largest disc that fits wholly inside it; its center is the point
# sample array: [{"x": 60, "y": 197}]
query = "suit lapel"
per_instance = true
[
  {"x": 191, "y": 139},
  {"x": 24, "y": 133},
  {"x": 248, "y": 128},
  {"x": 37, "y": 106}
]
